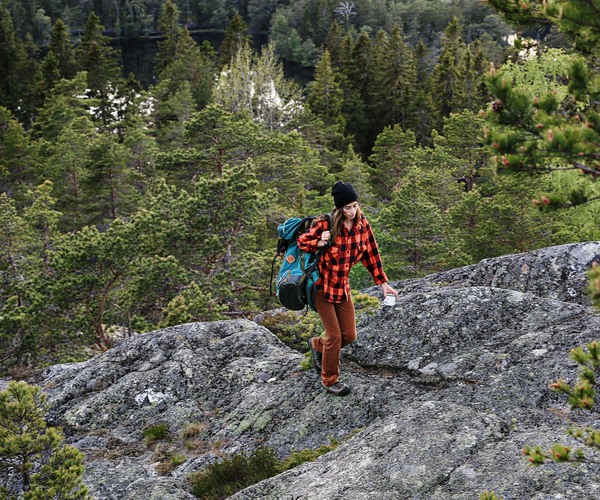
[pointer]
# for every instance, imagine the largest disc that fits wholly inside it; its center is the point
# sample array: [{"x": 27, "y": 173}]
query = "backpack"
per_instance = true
[{"x": 298, "y": 275}]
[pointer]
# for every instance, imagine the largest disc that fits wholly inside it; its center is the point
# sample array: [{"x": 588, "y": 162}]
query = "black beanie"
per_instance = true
[{"x": 343, "y": 193}]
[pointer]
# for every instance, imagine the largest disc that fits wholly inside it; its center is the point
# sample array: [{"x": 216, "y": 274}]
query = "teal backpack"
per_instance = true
[{"x": 299, "y": 273}]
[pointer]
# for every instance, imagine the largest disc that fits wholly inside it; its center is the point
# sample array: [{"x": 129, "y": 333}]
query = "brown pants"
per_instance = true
[{"x": 339, "y": 323}]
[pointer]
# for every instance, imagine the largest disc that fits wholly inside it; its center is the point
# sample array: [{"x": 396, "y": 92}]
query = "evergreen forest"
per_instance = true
[{"x": 129, "y": 204}]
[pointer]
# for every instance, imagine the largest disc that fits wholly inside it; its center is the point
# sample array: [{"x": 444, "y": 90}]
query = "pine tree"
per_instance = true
[
  {"x": 192, "y": 66},
  {"x": 448, "y": 79},
  {"x": 168, "y": 25},
  {"x": 215, "y": 138},
  {"x": 235, "y": 39},
  {"x": 423, "y": 104},
  {"x": 324, "y": 94},
  {"x": 461, "y": 139},
  {"x": 58, "y": 63},
  {"x": 391, "y": 157},
  {"x": 359, "y": 80},
  {"x": 540, "y": 132},
  {"x": 101, "y": 64},
  {"x": 412, "y": 230},
  {"x": 61, "y": 47},
  {"x": 333, "y": 42},
  {"x": 396, "y": 85},
  {"x": 14, "y": 75},
  {"x": 18, "y": 157},
  {"x": 107, "y": 186},
  {"x": 65, "y": 163},
  {"x": 35, "y": 463}
]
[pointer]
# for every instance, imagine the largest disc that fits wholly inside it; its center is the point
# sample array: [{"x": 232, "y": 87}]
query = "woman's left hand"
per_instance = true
[{"x": 387, "y": 289}]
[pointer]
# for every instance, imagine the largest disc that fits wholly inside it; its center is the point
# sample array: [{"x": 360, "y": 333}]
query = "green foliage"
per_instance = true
[
  {"x": 256, "y": 84},
  {"x": 594, "y": 285},
  {"x": 35, "y": 464},
  {"x": 193, "y": 304},
  {"x": 365, "y": 303},
  {"x": 239, "y": 471},
  {"x": 235, "y": 38},
  {"x": 223, "y": 479},
  {"x": 293, "y": 329},
  {"x": 390, "y": 159},
  {"x": 582, "y": 394},
  {"x": 549, "y": 129},
  {"x": 325, "y": 95},
  {"x": 307, "y": 455},
  {"x": 489, "y": 495},
  {"x": 156, "y": 432}
]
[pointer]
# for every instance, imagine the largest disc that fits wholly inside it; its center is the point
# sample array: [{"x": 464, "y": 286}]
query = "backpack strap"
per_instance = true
[
  {"x": 320, "y": 252},
  {"x": 282, "y": 245}
]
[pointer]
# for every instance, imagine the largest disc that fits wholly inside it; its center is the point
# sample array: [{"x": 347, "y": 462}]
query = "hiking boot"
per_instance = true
[
  {"x": 317, "y": 357},
  {"x": 338, "y": 389}
]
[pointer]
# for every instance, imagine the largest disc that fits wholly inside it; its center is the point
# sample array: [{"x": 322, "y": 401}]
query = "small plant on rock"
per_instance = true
[
  {"x": 582, "y": 395},
  {"x": 233, "y": 474},
  {"x": 307, "y": 455},
  {"x": 155, "y": 433}
]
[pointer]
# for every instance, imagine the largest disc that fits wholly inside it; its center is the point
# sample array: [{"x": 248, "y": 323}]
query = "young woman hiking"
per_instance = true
[{"x": 349, "y": 240}]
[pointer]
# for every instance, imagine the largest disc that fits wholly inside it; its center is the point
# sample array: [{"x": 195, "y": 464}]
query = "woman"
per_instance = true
[{"x": 349, "y": 240}]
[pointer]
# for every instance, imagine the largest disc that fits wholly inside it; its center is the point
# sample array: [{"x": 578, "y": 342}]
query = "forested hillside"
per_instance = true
[{"x": 124, "y": 208}]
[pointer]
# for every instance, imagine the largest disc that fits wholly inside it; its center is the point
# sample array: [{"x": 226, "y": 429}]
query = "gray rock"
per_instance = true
[{"x": 448, "y": 386}]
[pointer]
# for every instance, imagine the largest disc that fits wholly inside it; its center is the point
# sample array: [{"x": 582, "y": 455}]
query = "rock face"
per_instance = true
[{"x": 448, "y": 386}]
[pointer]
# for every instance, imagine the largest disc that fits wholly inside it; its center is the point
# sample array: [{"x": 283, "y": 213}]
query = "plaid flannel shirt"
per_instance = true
[{"x": 335, "y": 264}]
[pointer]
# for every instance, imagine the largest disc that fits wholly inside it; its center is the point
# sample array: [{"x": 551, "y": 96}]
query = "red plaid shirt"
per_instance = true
[{"x": 335, "y": 264}]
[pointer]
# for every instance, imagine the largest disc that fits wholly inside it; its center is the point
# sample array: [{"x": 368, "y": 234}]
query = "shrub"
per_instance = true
[
  {"x": 233, "y": 474},
  {"x": 156, "y": 432}
]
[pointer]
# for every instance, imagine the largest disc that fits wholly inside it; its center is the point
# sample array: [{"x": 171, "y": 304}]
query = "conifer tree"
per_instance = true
[
  {"x": 396, "y": 73},
  {"x": 18, "y": 157},
  {"x": 461, "y": 138},
  {"x": 58, "y": 63},
  {"x": 448, "y": 80},
  {"x": 423, "y": 99},
  {"x": 192, "y": 66},
  {"x": 215, "y": 138},
  {"x": 412, "y": 230},
  {"x": 333, "y": 42},
  {"x": 65, "y": 102},
  {"x": 324, "y": 94},
  {"x": 540, "y": 132},
  {"x": 172, "y": 110},
  {"x": 108, "y": 187},
  {"x": 359, "y": 80},
  {"x": 391, "y": 157},
  {"x": 65, "y": 163},
  {"x": 168, "y": 25},
  {"x": 14, "y": 78},
  {"x": 35, "y": 463},
  {"x": 61, "y": 47},
  {"x": 101, "y": 64},
  {"x": 236, "y": 37}
]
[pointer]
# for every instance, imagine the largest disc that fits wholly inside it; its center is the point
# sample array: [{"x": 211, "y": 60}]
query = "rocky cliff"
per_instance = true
[{"x": 449, "y": 385}]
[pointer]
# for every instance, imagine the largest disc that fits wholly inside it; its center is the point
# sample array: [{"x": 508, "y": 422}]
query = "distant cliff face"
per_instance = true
[{"x": 449, "y": 385}]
